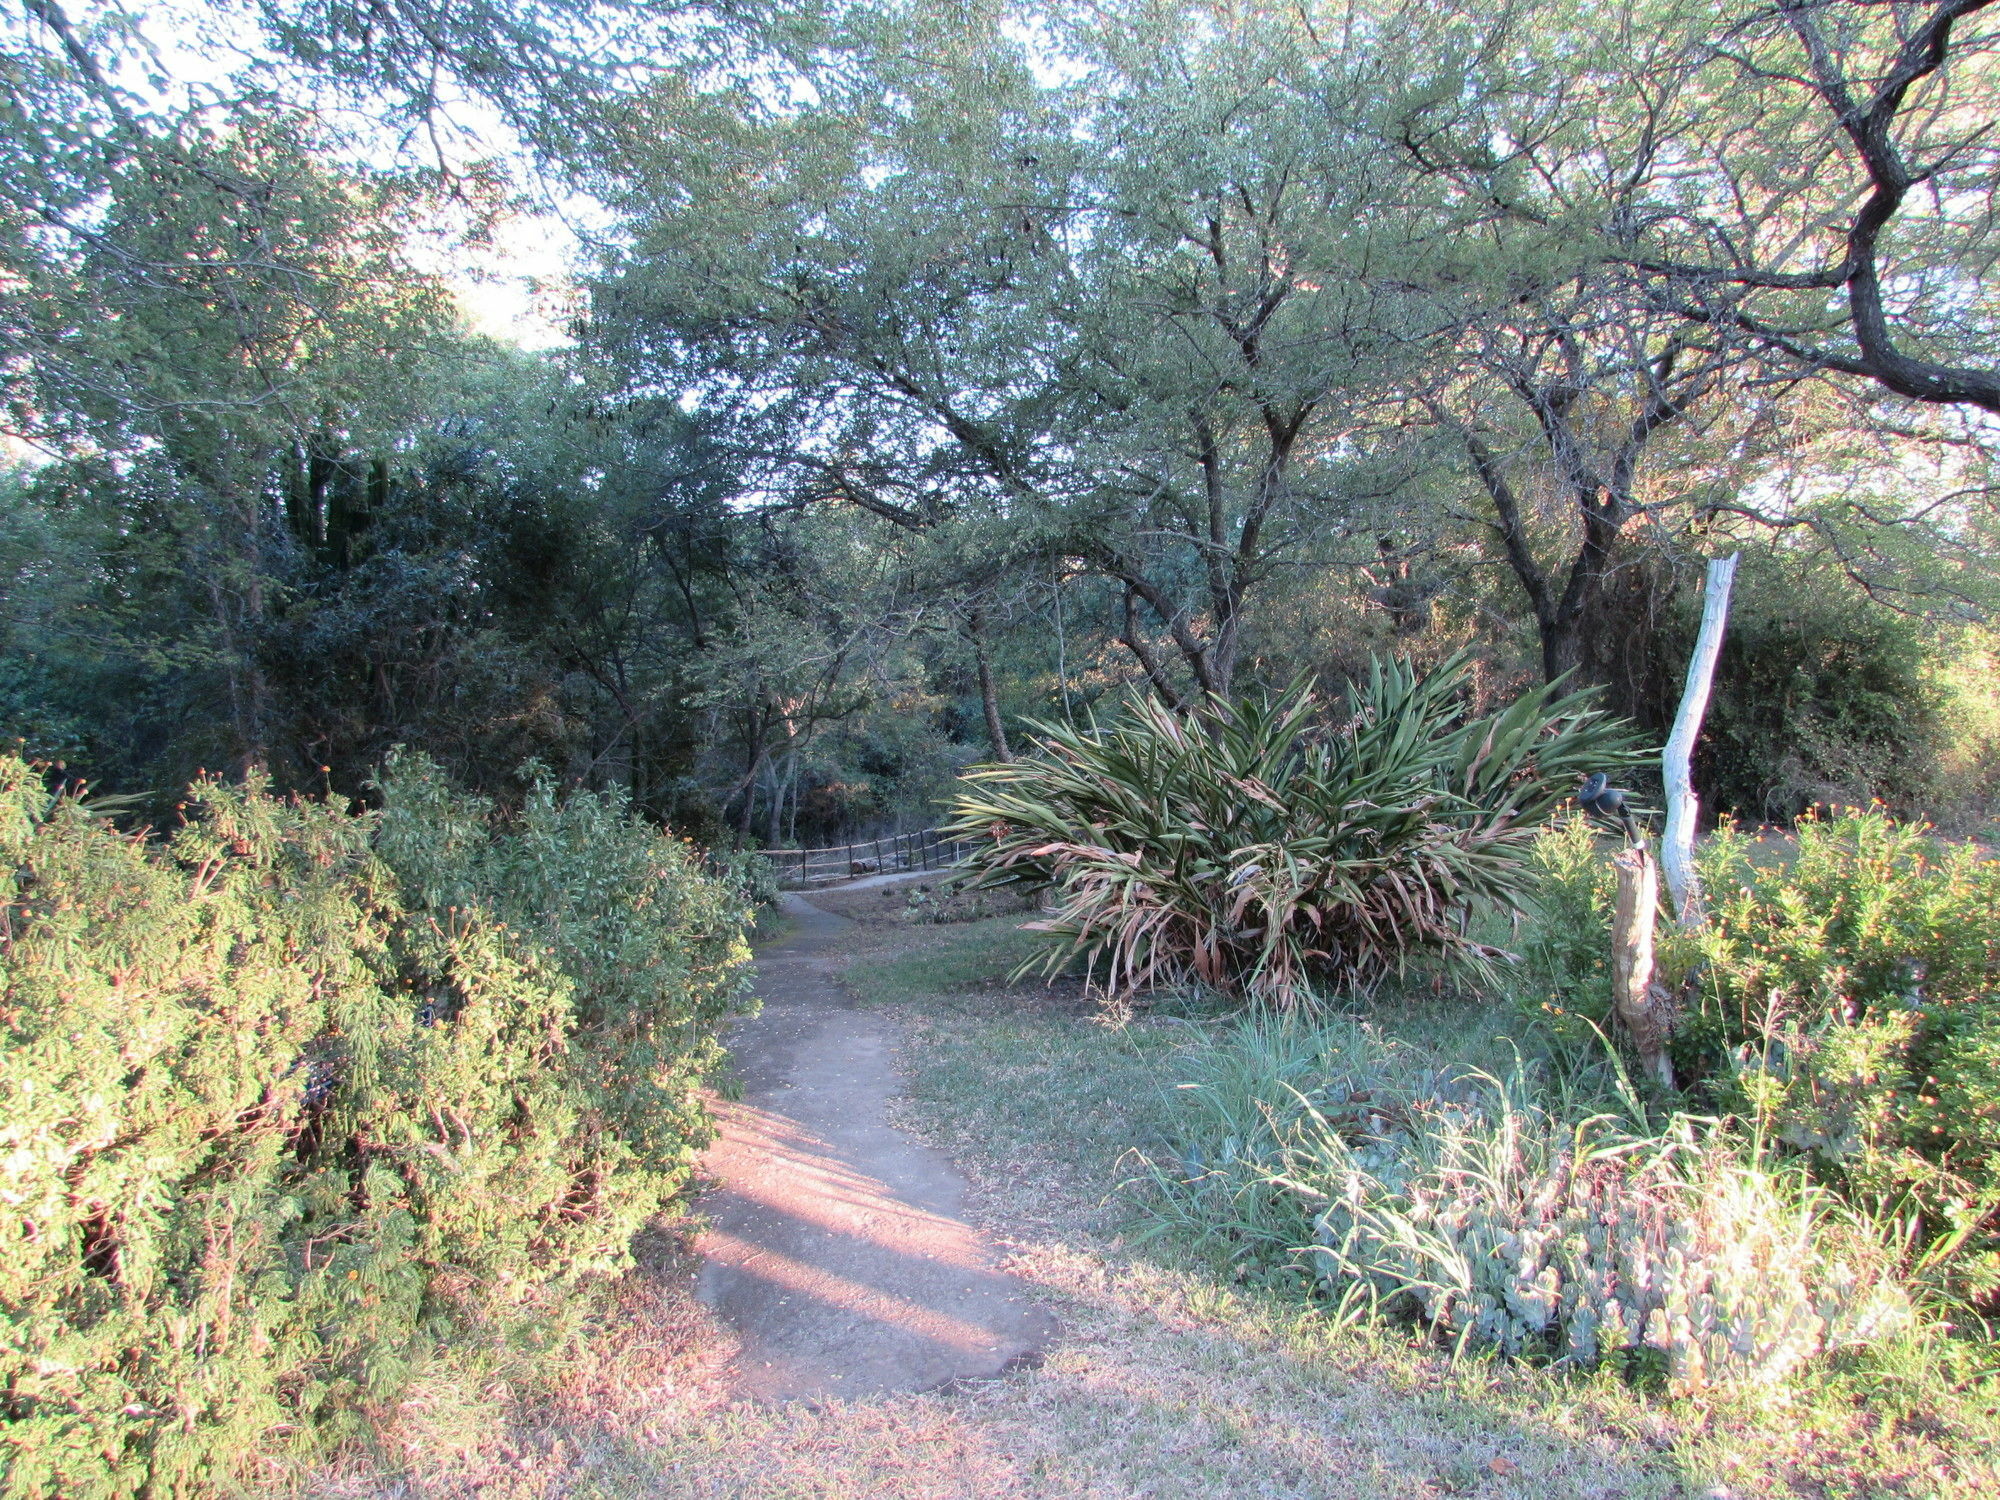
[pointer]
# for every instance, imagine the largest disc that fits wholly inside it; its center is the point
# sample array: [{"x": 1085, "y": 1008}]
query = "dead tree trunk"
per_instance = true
[
  {"x": 1677, "y": 848},
  {"x": 1644, "y": 1008}
]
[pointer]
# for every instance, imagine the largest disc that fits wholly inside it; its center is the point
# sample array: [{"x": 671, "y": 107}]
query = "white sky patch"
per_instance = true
[
  {"x": 519, "y": 286},
  {"x": 1048, "y": 64}
]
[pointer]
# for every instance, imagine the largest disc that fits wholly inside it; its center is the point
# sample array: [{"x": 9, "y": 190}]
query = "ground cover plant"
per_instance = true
[
  {"x": 1089, "y": 1108},
  {"x": 1819, "y": 1201},
  {"x": 1505, "y": 1214},
  {"x": 1254, "y": 851},
  {"x": 293, "y": 1093},
  {"x": 1843, "y": 1005}
]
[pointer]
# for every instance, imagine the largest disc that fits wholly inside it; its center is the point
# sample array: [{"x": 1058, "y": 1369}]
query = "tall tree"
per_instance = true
[
  {"x": 1138, "y": 318},
  {"x": 1828, "y": 194}
]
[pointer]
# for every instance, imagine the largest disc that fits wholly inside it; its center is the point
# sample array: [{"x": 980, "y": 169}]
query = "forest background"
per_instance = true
[{"x": 932, "y": 368}]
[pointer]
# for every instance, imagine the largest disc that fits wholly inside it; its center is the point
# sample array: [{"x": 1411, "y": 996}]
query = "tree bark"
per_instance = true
[
  {"x": 1643, "y": 1007},
  {"x": 1683, "y": 806},
  {"x": 1135, "y": 642},
  {"x": 989, "y": 696}
]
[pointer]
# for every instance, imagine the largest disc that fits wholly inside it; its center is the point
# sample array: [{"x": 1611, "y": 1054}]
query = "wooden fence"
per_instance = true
[{"x": 801, "y": 869}]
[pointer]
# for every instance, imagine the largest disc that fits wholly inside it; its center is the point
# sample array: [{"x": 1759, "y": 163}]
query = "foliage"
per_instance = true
[
  {"x": 653, "y": 946},
  {"x": 1845, "y": 1001},
  {"x": 271, "y": 1127},
  {"x": 846, "y": 428},
  {"x": 1821, "y": 696},
  {"x": 1848, "y": 1000},
  {"x": 1501, "y": 1213},
  {"x": 1047, "y": 1104},
  {"x": 1249, "y": 852},
  {"x": 1565, "y": 951},
  {"x": 948, "y": 901}
]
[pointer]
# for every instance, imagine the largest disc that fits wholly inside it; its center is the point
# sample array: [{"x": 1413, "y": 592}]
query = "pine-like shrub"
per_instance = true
[
  {"x": 1845, "y": 997},
  {"x": 653, "y": 945},
  {"x": 1565, "y": 943},
  {"x": 1262, "y": 851},
  {"x": 268, "y": 1128}
]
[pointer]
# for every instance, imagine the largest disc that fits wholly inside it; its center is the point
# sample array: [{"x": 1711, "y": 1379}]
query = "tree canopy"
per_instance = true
[{"x": 937, "y": 367}]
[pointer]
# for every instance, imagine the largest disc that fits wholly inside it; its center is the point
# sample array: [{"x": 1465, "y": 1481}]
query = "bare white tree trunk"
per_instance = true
[{"x": 1677, "y": 848}]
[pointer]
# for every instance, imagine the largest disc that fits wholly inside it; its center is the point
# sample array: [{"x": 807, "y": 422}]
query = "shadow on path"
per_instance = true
[{"x": 837, "y": 1247}]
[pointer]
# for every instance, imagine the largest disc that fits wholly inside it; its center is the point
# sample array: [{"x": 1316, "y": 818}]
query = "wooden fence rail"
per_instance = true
[{"x": 929, "y": 849}]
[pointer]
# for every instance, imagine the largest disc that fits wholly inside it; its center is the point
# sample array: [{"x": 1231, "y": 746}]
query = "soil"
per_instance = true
[{"x": 837, "y": 1245}]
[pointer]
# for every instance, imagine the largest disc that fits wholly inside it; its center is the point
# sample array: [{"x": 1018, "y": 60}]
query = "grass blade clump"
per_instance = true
[
  {"x": 1472, "y": 1204},
  {"x": 1259, "y": 851}
]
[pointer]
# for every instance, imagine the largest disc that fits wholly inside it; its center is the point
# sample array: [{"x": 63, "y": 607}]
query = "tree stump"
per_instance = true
[{"x": 1644, "y": 1008}]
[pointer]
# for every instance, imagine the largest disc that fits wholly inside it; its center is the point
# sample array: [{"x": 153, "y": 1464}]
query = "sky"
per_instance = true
[{"x": 517, "y": 287}]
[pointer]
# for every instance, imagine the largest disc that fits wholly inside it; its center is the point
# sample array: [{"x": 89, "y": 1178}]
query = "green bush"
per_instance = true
[
  {"x": 1256, "y": 854},
  {"x": 275, "y": 1115},
  {"x": 1821, "y": 695},
  {"x": 1848, "y": 1002},
  {"x": 1565, "y": 944},
  {"x": 1502, "y": 1215},
  {"x": 653, "y": 946}
]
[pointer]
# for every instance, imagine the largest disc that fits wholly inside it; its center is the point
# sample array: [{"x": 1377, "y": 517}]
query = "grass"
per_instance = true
[
  {"x": 1172, "y": 1378},
  {"x": 1073, "y": 1094}
]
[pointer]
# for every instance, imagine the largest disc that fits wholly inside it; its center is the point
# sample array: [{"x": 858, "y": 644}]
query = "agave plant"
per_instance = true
[{"x": 1267, "y": 852}]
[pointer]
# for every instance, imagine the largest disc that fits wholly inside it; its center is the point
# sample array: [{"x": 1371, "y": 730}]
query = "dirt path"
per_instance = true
[
  {"x": 845, "y": 1264},
  {"x": 837, "y": 1247}
]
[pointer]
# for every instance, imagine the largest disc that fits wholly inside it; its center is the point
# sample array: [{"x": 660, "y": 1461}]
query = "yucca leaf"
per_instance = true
[{"x": 1267, "y": 856}]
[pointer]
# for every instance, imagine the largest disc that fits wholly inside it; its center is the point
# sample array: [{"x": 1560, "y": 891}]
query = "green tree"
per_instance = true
[{"x": 1130, "y": 321}]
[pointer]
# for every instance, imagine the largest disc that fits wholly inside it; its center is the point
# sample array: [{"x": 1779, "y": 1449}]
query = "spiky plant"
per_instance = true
[{"x": 1265, "y": 851}]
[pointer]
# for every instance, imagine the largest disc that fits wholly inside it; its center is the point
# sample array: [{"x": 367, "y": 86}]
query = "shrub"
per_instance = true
[
  {"x": 1566, "y": 944},
  {"x": 1253, "y": 853},
  {"x": 653, "y": 946},
  {"x": 1846, "y": 1003},
  {"x": 1820, "y": 695},
  {"x": 268, "y": 1128},
  {"x": 1458, "y": 1199},
  {"x": 1851, "y": 1000}
]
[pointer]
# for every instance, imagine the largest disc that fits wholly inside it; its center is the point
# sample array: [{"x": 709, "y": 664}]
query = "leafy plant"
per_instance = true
[
  {"x": 1851, "y": 1000},
  {"x": 1261, "y": 852},
  {"x": 274, "y": 1112},
  {"x": 653, "y": 945},
  {"x": 1500, "y": 1214},
  {"x": 1565, "y": 972},
  {"x": 1845, "y": 1001}
]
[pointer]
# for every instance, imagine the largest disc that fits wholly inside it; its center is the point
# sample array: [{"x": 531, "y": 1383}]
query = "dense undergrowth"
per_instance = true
[
  {"x": 1826, "y": 1179},
  {"x": 292, "y": 1094},
  {"x": 1051, "y": 1106},
  {"x": 1844, "y": 1005},
  {"x": 1511, "y": 1211},
  {"x": 1829, "y": 1166}
]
